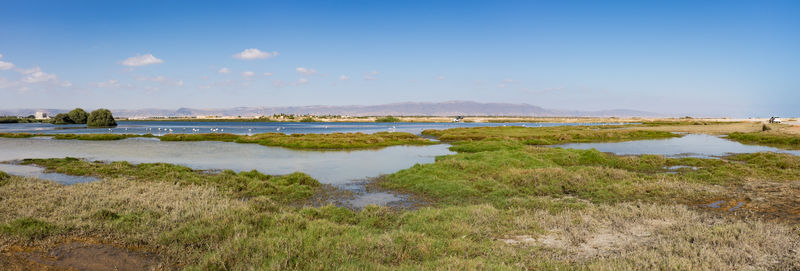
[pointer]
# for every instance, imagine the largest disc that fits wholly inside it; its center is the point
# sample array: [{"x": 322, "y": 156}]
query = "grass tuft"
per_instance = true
[{"x": 29, "y": 228}]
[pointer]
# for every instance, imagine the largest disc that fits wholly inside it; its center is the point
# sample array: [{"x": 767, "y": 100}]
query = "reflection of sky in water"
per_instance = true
[
  {"x": 163, "y": 127},
  {"x": 691, "y": 145},
  {"x": 37, "y": 172},
  {"x": 334, "y": 167}
]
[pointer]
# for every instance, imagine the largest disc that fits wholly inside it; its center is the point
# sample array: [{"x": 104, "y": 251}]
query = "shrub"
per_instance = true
[
  {"x": 62, "y": 118},
  {"x": 308, "y": 119},
  {"x": 78, "y": 116},
  {"x": 387, "y": 119},
  {"x": 101, "y": 118}
]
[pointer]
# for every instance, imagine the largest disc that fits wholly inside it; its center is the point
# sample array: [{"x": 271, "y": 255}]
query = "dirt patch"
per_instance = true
[
  {"x": 602, "y": 242},
  {"x": 778, "y": 201},
  {"x": 78, "y": 256}
]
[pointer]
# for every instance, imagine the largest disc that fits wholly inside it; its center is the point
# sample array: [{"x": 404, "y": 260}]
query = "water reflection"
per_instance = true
[
  {"x": 690, "y": 145},
  {"x": 37, "y": 172},
  {"x": 337, "y": 167}
]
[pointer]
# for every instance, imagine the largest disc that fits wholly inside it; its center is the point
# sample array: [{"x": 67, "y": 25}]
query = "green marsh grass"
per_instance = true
[
  {"x": 776, "y": 139},
  {"x": 547, "y": 135}
]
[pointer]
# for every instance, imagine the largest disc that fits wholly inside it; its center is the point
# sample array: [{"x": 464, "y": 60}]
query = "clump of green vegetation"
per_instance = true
[
  {"x": 101, "y": 118},
  {"x": 97, "y": 136},
  {"x": 295, "y": 141},
  {"x": 547, "y": 135},
  {"x": 776, "y": 139},
  {"x": 17, "y": 135},
  {"x": 225, "y": 137},
  {"x": 15, "y": 119},
  {"x": 308, "y": 119},
  {"x": 29, "y": 228},
  {"x": 4, "y": 178},
  {"x": 387, "y": 119},
  {"x": 284, "y": 188},
  {"x": 499, "y": 172},
  {"x": 335, "y": 140},
  {"x": 311, "y": 141},
  {"x": 61, "y": 118},
  {"x": 78, "y": 116}
]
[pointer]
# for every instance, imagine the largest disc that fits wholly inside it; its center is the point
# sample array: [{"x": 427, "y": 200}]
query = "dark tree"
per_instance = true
[
  {"x": 62, "y": 118},
  {"x": 78, "y": 116},
  {"x": 101, "y": 118}
]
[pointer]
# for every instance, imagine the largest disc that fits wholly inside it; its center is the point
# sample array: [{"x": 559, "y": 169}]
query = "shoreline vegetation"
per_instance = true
[
  {"x": 332, "y": 141},
  {"x": 502, "y": 202}
]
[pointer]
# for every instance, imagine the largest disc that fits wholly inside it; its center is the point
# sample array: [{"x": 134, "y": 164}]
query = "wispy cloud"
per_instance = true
[
  {"x": 248, "y": 74},
  {"x": 36, "y": 75},
  {"x": 253, "y": 53},
  {"x": 141, "y": 60},
  {"x": 267, "y": 74},
  {"x": 305, "y": 71},
  {"x": 161, "y": 79},
  {"x": 111, "y": 83},
  {"x": 224, "y": 71},
  {"x": 301, "y": 81},
  {"x": 440, "y": 77},
  {"x": 5, "y": 65},
  {"x": 343, "y": 77},
  {"x": 369, "y": 76}
]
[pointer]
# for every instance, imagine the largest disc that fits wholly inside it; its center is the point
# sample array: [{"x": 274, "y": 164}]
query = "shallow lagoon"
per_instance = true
[
  {"x": 690, "y": 145},
  {"x": 164, "y": 127},
  {"x": 330, "y": 167}
]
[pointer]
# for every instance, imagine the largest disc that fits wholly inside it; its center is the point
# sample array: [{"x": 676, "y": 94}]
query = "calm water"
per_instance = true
[
  {"x": 690, "y": 145},
  {"x": 163, "y": 127},
  {"x": 332, "y": 167},
  {"x": 37, "y": 172}
]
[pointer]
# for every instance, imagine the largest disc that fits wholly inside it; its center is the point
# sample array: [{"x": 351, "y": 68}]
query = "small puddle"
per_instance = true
[
  {"x": 716, "y": 204},
  {"x": 738, "y": 205},
  {"x": 675, "y": 169},
  {"x": 84, "y": 256},
  {"x": 37, "y": 172}
]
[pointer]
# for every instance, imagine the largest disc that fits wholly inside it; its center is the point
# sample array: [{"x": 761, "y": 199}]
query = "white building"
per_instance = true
[{"x": 40, "y": 115}]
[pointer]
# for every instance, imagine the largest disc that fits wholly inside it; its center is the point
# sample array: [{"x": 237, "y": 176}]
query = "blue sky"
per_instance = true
[{"x": 710, "y": 58}]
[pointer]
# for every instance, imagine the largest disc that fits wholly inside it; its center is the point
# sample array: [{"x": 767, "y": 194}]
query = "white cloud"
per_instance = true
[
  {"x": 509, "y": 81},
  {"x": 305, "y": 71},
  {"x": 36, "y": 75},
  {"x": 439, "y": 77},
  {"x": 301, "y": 81},
  {"x": 66, "y": 84},
  {"x": 267, "y": 74},
  {"x": 501, "y": 85},
  {"x": 5, "y": 83},
  {"x": 5, "y": 65},
  {"x": 224, "y": 71},
  {"x": 278, "y": 83},
  {"x": 111, "y": 83},
  {"x": 253, "y": 53},
  {"x": 248, "y": 74},
  {"x": 160, "y": 79},
  {"x": 344, "y": 77},
  {"x": 369, "y": 76},
  {"x": 141, "y": 60}
]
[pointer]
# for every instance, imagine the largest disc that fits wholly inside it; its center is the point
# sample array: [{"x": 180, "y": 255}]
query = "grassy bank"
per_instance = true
[
  {"x": 547, "y": 135},
  {"x": 776, "y": 139},
  {"x": 202, "y": 226},
  {"x": 311, "y": 141},
  {"x": 294, "y": 141}
]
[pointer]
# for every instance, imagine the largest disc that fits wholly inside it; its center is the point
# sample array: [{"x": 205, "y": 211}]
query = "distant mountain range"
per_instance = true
[{"x": 450, "y": 108}]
